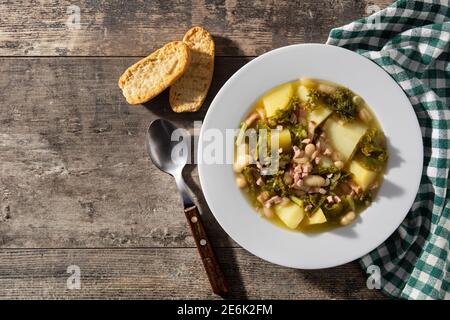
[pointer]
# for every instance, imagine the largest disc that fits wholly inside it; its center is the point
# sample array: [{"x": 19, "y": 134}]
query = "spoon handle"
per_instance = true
[{"x": 206, "y": 250}]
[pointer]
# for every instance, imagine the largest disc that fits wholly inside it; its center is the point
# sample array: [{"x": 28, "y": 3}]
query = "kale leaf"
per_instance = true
[
  {"x": 372, "y": 153},
  {"x": 340, "y": 101}
]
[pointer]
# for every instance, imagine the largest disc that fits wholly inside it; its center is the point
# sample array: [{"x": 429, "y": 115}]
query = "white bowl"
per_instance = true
[{"x": 403, "y": 173}]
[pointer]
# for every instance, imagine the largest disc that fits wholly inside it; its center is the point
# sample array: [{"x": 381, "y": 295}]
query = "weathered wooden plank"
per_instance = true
[
  {"x": 74, "y": 167},
  {"x": 170, "y": 272},
  {"x": 74, "y": 172},
  {"x": 136, "y": 27}
]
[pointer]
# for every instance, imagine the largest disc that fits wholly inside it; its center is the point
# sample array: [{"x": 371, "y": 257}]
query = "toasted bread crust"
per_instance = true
[
  {"x": 153, "y": 74},
  {"x": 188, "y": 93}
]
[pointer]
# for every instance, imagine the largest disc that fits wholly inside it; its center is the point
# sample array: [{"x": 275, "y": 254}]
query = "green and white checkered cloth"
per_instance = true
[{"x": 411, "y": 41}]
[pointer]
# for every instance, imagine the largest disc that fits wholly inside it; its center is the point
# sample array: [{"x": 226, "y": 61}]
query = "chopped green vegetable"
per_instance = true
[
  {"x": 325, "y": 170},
  {"x": 341, "y": 102},
  {"x": 283, "y": 116},
  {"x": 364, "y": 200},
  {"x": 298, "y": 133},
  {"x": 315, "y": 200},
  {"x": 250, "y": 173},
  {"x": 314, "y": 97},
  {"x": 371, "y": 152},
  {"x": 332, "y": 209},
  {"x": 339, "y": 175},
  {"x": 284, "y": 159},
  {"x": 262, "y": 125},
  {"x": 276, "y": 185},
  {"x": 350, "y": 202},
  {"x": 337, "y": 178}
]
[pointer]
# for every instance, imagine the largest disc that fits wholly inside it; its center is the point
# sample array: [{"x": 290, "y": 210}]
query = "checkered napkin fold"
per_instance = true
[{"x": 411, "y": 41}]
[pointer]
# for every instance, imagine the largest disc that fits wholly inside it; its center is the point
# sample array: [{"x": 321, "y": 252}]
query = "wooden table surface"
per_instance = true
[{"x": 76, "y": 185}]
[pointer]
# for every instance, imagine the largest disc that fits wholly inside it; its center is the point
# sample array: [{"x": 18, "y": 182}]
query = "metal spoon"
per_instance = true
[{"x": 164, "y": 156}]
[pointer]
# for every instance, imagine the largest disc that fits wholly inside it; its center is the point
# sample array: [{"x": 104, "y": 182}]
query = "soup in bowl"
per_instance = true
[
  {"x": 383, "y": 189},
  {"x": 310, "y": 155}
]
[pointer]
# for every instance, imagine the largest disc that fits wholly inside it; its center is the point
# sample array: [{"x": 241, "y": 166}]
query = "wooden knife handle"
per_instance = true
[{"x": 206, "y": 250}]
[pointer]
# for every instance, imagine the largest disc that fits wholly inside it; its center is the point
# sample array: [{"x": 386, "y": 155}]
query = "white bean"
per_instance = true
[
  {"x": 309, "y": 149},
  {"x": 347, "y": 218},
  {"x": 314, "y": 181},
  {"x": 339, "y": 164},
  {"x": 326, "y": 88},
  {"x": 364, "y": 115},
  {"x": 240, "y": 181},
  {"x": 357, "y": 100},
  {"x": 336, "y": 156}
]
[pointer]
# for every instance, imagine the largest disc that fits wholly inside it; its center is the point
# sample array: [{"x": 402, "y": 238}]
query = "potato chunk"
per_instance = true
[
  {"x": 344, "y": 137},
  {"x": 361, "y": 175},
  {"x": 318, "y": 217},
  {"x": 319, "y": 114},
  {"x": 297, "y": 201},
  {"x": 277, "y": 99},
  {"x": 291, "y": 214},
  {"x": 284, "y": 139}
]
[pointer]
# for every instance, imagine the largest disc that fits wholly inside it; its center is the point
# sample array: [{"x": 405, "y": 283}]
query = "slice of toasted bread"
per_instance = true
[
  {"x": 150, "y": 76},
  {"x": 188, "y": 93}
]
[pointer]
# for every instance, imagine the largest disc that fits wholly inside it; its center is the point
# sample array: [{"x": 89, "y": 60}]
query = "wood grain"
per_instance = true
[
  {"x": 74, "y": 174},
  {"x": 76, "y": 185},
  {"x": 74, "y": 168},
  {"x": 174, "y": 273},
  {"x": 136, "y": 27}
]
